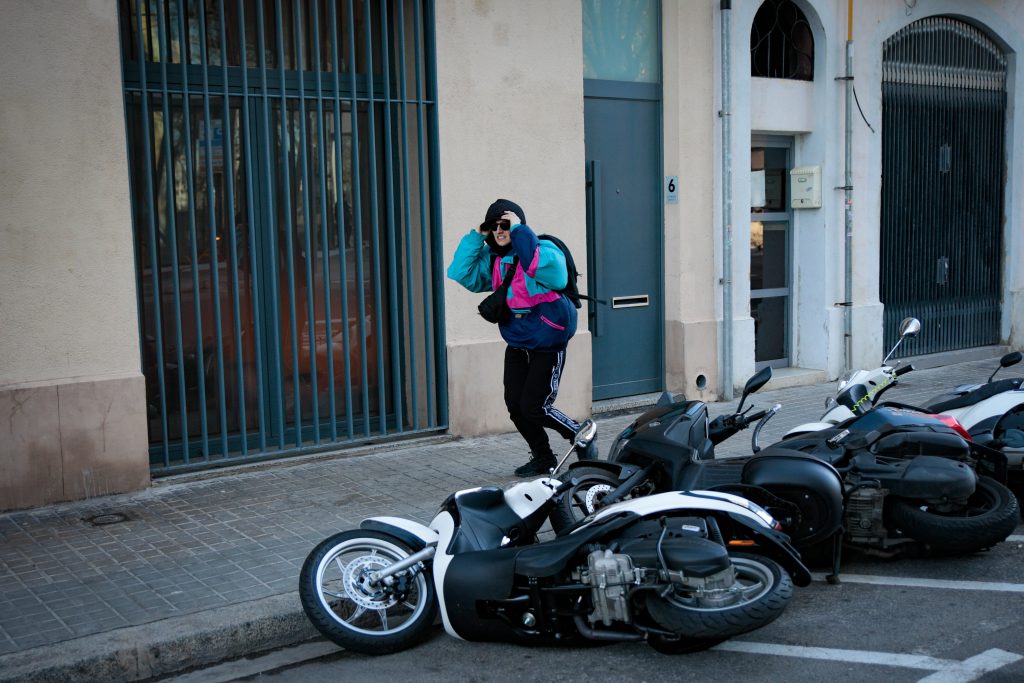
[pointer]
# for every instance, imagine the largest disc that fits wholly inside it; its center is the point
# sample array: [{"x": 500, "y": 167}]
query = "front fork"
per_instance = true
[{"x": 386, "y": 576}]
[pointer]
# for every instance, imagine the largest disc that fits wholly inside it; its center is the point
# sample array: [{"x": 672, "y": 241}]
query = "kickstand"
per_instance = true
[{"x": 837, "y": 554}]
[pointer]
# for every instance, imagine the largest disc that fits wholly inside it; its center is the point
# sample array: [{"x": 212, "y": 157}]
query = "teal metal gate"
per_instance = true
[
  {"x": 284, "y": 189},
  {"x": 943, "y": 182}
]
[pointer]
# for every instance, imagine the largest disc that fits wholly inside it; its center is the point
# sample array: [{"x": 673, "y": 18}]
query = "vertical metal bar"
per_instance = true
[
  {"x": 271, "y": 232},
  {"x": 378, "y": 312},
  {"x": 425, "y": 241},
  {"x": 440, "y": 393},
  {"x": 358, "y": 229},
  {"x": 250, "y": 219},
  {"x": 340, "y": 208},
  {"x": 212, "y": 225},
  {"x": 307, "y": 241},
  {"x": 287, "y": 207},
  {"x": 407, "y": 222},
  {"x": 324, "y": 241},
  {"x": 197, "y": 303},
  {"x": 151, "y": 237},
  {"x": 392, "y": 242},
  {"x": 173, "y": 234},
  {"x": 229, "y": 164}
]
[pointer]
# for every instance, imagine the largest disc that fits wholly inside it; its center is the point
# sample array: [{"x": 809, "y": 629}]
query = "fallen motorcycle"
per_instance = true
[
  {"x": 683, "y": 571},
  {"x": 876, "y": 490},
  {"x": 989, "y": 415}
]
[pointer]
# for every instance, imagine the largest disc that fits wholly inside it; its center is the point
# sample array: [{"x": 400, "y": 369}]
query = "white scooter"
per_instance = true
[
  {"x": 989, "y": 414},
  {"x": 860, "y": 390},
  {"x": 979, "y": 406},
  {"x": 664, "y": 569}
]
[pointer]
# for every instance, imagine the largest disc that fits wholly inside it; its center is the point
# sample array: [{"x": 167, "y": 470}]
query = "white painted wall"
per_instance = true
[
  {"x": 815, "y": 117},
  {"x": 67, "y": 282}
]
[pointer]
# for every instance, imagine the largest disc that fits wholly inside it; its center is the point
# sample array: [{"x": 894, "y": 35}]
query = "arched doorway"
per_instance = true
[{"x": 943, "y": 182}]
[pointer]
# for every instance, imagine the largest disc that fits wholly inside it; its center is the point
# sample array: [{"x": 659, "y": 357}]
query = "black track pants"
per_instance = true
[{"x": 531, "y": 386}]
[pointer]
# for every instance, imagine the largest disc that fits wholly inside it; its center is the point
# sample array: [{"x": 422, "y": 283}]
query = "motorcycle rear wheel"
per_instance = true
[
  {"x": 988, "y": 518},
  {"x": 582, "y": 499},
  {"x": 339, "y": 598},
  {"x": 766, "y": 590}
]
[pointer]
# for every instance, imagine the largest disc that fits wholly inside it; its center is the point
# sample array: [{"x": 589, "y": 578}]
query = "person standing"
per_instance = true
[{"x": 542, "y": 322}]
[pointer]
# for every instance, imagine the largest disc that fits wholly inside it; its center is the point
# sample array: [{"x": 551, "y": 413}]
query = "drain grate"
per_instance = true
[{"x": 105, "y": 518}]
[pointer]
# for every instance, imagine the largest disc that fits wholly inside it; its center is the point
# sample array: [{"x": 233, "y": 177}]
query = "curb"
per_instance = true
[{"x": 168, "y": 646}]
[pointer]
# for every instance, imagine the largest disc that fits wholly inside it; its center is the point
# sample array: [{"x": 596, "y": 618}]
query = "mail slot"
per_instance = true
[{"x": 630, "y": 301}]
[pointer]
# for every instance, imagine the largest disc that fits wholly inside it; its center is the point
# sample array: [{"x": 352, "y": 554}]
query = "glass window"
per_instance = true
[
  {"x": 621, "y": 39},
  {"x": 781, "y": 43}
]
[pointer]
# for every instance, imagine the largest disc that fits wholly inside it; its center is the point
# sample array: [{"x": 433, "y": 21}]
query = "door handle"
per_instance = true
[{"x": 595, "y": 245}]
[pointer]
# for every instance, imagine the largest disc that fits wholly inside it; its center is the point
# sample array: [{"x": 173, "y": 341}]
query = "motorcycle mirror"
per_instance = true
[
  {"x": 1010, "y": 359},
  {"x": 1006, "y": 361},
  {"x": 585, "y": 434},
  {"x": 753, "y": 384},
  {"x": 910, "y": 327}
]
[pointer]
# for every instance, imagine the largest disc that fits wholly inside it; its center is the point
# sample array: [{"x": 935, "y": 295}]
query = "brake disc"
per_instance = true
[
  {"x": 594, "y": 495},
  {"x": 358, "y": 586}
]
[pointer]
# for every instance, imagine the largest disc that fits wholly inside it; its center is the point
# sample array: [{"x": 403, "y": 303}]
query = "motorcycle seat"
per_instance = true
[
  {"x": 550, "y": 557},
  {"x": 977, "y": 396}
]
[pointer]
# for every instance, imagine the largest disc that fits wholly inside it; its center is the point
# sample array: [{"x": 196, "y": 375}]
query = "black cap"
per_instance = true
[{"x": 499, "y": 207}]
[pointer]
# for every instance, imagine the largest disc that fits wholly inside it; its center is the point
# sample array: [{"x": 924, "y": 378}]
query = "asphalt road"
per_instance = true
[{"x": 937, "y": 620}]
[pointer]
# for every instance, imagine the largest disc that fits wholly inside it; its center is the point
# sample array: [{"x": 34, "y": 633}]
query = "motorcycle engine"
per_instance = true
[
  {"x": 864, "y": 516},
  {"x": 610, "y": 575}
]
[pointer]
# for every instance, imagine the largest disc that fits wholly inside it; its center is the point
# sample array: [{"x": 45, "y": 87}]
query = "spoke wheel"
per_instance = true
[{"x": 342, "y": 597}]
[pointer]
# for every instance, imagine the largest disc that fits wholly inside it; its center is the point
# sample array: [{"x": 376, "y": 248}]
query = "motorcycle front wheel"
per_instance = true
[
  {"x": 761, "y": 593},
  {"x": 339, "y": 595},
  {"x": 582, "y": 499},
  {"x": 988, "y": 518}
]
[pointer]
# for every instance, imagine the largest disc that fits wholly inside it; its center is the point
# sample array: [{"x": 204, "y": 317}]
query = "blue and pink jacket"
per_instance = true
[{"x": 543, "y": 319}]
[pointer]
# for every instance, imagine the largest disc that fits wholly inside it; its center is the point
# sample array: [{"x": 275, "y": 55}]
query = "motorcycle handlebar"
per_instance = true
[
  {"x": 749, "y": 419},
  {"x": 904, "y": 370}
]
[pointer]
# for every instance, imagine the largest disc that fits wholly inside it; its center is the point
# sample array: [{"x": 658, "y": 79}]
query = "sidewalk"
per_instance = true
[{"x": 202, "y": 568}]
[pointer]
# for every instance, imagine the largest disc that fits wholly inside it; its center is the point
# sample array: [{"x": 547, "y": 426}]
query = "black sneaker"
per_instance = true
[{"x": 535, "y": 467}]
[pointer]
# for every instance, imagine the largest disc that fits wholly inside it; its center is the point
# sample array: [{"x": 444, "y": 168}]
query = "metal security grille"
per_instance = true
[
  {"x": 284, "y": 175},
  {"x": 943, "y": 179}
]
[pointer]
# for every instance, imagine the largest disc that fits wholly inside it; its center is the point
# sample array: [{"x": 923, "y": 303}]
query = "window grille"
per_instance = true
[{"x": 781, "y": 43}]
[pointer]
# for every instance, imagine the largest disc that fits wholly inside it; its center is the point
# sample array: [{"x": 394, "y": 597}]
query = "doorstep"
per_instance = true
[
  {"x": 625, "y": 404},
  {"x": 783, "y": 378}
]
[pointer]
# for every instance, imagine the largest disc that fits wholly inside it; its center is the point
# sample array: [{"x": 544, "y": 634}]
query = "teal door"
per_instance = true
[
  {"x": 624, "y": 238},
  {"x": 622, "y": 125}
]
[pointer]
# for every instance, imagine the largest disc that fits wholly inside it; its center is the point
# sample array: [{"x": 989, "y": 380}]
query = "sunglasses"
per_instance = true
[{"x": 502, "y": 225}]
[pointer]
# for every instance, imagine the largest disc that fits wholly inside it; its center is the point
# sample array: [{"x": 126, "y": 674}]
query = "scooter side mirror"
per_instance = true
[
  {"x": 910, "y": 327},
  {"x": 585, "y": 434},
  {"x": 753, "y": 384},
  {"x": 1011, "y": 358},
  {"x": 1006, "y": 361}
]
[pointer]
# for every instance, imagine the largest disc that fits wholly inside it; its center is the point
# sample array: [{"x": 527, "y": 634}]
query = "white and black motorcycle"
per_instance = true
[
  {"x": 682, "y": 570},
  {"x": 989, "y": 414},
  {"x": 859, "y": 391}
]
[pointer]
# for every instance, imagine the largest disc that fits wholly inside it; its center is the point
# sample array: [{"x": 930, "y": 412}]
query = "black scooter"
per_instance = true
[{"x": 885, "y": 489}]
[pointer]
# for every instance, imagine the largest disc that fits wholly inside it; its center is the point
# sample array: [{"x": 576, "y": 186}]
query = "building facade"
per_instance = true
[{"x": 225, "y": 224}]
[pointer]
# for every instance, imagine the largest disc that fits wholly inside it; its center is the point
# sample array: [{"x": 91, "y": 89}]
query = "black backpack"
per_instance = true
[{"x": 570, "y": 289}]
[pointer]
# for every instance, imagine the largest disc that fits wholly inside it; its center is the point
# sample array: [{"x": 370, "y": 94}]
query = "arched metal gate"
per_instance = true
[
  {"x": 285, "y": 202},
  {"x": 943, "y": 179}
]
